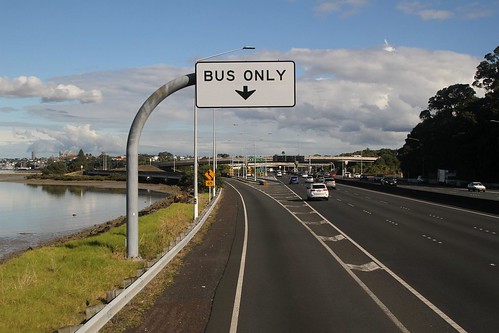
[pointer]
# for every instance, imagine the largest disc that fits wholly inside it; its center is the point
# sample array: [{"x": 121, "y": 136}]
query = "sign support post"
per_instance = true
[{"x": 132, "y": 157}]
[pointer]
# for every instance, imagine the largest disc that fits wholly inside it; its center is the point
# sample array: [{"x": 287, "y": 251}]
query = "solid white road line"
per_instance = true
[{"x": 239, "y": 288}]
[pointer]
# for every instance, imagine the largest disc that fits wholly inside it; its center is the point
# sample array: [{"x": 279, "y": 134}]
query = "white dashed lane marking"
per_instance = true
[{"x": 432, "y": 239}]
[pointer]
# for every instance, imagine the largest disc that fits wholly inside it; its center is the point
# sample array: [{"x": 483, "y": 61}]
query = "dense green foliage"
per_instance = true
[
  {"x": 387, "y": 162},
  {"x": 56, "y": 168},
  {"x": 458, "y": 131},
  {"x": 188, "y": 179}
]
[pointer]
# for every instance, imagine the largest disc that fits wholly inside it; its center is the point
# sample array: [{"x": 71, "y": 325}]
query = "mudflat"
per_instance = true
[{"x": 111, "y": 184}]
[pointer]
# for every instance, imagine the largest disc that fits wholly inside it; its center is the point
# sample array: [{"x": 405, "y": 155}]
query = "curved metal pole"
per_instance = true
[{"x": 132, "y": 157}]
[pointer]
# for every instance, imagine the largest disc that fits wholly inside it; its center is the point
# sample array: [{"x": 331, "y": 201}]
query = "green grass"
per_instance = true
[{"x": 48, "y": 288}]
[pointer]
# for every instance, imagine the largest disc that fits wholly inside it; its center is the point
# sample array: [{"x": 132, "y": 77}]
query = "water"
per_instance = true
[{"x": 33, "y": 214}]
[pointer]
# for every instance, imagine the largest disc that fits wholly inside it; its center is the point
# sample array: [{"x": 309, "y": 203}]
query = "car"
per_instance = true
[
  {"x": 309, "y": 179},
  {"x": 364, "y": 177},
  {"x": 317, "y": 191},
  {"x": 278, "y": 174},
  {"x": 319, "y": 179},
  {"x": 377, "y": 178},
  {"x": 304, "y": 175},
  {"x": 294, "y": 180},
  {"x": 387, "y": 180},
  {"x": 330, "y": 183},
  {"x": 476, "y": 186}
]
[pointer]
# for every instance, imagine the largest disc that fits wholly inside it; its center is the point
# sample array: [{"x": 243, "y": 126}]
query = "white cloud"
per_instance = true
[
  {"x": 345, "y": 7},
  {"x": 369, "y": 92},
  {"x": 346, "y": 100},
  {"x": 73, "y": 138},
  {"x": 426, "y": 11},
  {"x": 31, "y": 86},
  {"x": 475, "y": 10},
  {"x": 431, "y": 14}
]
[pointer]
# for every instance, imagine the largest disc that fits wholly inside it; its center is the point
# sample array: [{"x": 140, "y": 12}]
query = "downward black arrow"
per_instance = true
[{"x": 245, "y": 93}]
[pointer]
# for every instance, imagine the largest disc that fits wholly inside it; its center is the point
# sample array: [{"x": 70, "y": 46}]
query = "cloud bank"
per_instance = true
[
  {"x": 30, "y": 86},
  {"x": 346, "y": 100}
]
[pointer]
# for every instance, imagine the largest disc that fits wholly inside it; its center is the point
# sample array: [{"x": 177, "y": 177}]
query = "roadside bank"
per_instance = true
[{"x": 37, "y": 283}]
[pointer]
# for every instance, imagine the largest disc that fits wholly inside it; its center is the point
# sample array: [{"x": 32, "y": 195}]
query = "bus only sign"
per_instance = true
[{"x": 245, "y": 84}]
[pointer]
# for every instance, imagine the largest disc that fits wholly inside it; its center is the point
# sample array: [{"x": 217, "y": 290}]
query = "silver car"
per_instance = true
[
  {"x": 330, "y": 183},
  {"x": 476, "y": 186}
]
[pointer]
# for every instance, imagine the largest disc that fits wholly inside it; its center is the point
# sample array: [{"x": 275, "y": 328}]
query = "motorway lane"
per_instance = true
[
  {"x": 294, "y": 281},
  {"x": 451, "y": 256},
  {"x": 490, "y": 194},
  {"x": 291, "y": 284}
]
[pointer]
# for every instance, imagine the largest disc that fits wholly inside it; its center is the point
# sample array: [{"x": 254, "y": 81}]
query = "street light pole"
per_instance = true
[
  {"x": 214, "y": 157},
  {"x": 196, "y": 195},
  {"x": 255, "y": 160}
]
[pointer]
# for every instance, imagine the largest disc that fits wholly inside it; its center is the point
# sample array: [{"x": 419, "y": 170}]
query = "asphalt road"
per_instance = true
[
  {"x": 490, "y": 194},
  {"x": 449, "y": 255},
  {"x": 293, "y": 268}
]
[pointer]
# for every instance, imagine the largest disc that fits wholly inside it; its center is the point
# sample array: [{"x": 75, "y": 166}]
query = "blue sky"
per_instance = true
[{"x": 74, "y": 73}]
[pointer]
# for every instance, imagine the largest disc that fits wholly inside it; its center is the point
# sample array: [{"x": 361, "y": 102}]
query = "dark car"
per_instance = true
[
  {"x": 294, "y": 180},
  {"x": 364, "y": 177},
  {"x": 392, "y": 181}
]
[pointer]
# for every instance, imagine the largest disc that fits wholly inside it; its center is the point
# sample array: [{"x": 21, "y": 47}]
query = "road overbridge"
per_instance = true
[{"x": 265, "y": 164}]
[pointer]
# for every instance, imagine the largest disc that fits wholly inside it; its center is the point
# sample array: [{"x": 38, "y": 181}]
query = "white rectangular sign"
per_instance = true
[{"x": 247, "y": 84}]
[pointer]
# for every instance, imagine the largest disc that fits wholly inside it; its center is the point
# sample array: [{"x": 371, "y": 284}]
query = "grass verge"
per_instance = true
[
  {"x": 133, "y": 314},
  {"x": 50, "y": 287}
]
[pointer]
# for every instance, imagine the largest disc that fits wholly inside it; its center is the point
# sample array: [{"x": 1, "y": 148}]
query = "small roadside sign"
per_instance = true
[
  {"x": 209, "y": 175},
  {"x": 209, "y": 183},
  {"x": 232, "y": 84}
]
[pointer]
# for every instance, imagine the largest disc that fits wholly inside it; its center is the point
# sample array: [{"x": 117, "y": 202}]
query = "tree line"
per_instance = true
[{"x": 458, "y": 131}]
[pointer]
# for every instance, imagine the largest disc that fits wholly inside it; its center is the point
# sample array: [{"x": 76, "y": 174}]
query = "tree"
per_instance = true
[
  {"x": 81, "y": 162},
  {"x": 81, "y": 155},
  {"x": 165, "y": 156},
  {"x": 487, "y": 74},
  {"x": 387, "y": 163},
  {"x": 451, "y": 100},
  {"x": 55, "y": 168}
]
